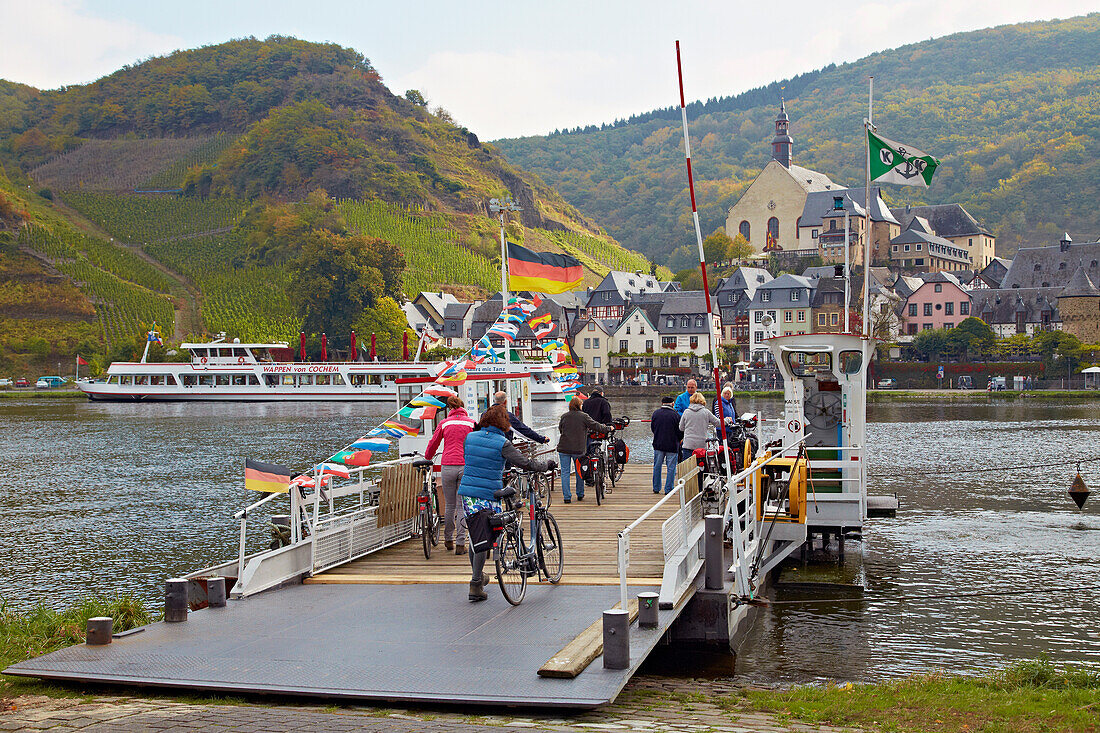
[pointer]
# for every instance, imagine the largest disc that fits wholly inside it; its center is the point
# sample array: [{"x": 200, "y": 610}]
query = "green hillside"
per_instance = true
[
  {"x": 141, "y": 192},
  {"x": 1013, "y": 112}
]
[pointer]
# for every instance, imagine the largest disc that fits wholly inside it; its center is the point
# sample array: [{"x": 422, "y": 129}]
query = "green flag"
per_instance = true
[{"x": 893, "y": 162}]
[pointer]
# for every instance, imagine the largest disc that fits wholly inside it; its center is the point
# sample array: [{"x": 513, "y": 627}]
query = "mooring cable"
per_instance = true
[
  {"x": 1067, "y": 462},
  {"x": 926, "y": 596}
]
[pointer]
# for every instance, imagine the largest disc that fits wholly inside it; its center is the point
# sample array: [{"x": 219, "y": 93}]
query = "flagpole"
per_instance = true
[
  {"x": 702, "y": 265},
  {"x": 868, "y": 126},
  {"x": 499, "y": 207}
]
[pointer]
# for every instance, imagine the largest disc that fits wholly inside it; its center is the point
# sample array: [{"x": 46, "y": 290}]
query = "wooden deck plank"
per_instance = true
[
  {"x": 575, "y": 656},
  {"x": 589, "y": 533}
]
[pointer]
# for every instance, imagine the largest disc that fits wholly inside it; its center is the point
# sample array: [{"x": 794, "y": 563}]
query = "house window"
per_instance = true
[
  {"x": 912, "y": 329},
  {"x": 815, "y": 232},
  {"x": 788, "y": 316},
  {"x": 919, "y": 247},
  {"x": 765, "y": 296},
  {"x": 795, "y": 294},
  {"x": 595, "y": 343},
  {"x": 671, "y": 323},
  {"x": 927, "y": 309},
  {"x": 949, "y": 309},
  {"x": 912, "y": 309},
  {"x": 758, "y": 335},
  {"x": 895, "y": 248},
  {"x": 698, "y": 321},
  {"x": 649, "y": 345},
  {"x": 641, "y": 330},
  {"x": 964, "y": 308},
  {"x": 695, "y": 342},
  {"x": 947, "y": 325},
  {"x": 801, "y": 316},
  {"x": 919, "y": 262},
  {"x": 939, "y": 287},
  {"x": 668, "y": 342},
  {"x": 834, "y": 318},
  {"x": 622, "y": 346},
  {"x": 596, "y": 362},
  {"x": 745, "y": 230},
  {"x": 907, "y": 248},
  {"x": 927, "y": 327},
  {"x": 591, "y": 326},
  {"x": 628, "y": 330},
  {"x": 588, "y": 343}
]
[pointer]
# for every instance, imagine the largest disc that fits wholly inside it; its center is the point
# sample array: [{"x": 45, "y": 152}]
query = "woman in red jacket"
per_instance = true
[{"x": 452, "y": 433}]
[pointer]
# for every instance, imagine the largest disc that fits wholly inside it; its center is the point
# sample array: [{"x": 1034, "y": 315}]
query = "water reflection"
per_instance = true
[{"x": 103, "y": 497}]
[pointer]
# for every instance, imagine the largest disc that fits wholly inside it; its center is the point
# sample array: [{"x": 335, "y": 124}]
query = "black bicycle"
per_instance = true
[
  {"x": 516, "y": 560},
  {"x": 603, "y": 460},
  {"x": 427, "y": 507}
]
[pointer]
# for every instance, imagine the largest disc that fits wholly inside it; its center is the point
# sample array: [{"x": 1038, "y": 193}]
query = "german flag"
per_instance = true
[
  {"x": 269, "y": 477},
  {"x": 542, "y": 272}
]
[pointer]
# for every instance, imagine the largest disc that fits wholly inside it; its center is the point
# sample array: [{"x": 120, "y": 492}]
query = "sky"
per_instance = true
[{"x": 507, "y": 70}]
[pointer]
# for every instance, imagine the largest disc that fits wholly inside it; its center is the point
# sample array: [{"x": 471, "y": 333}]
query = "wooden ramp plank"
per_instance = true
[{"x": 575, "y": 657}]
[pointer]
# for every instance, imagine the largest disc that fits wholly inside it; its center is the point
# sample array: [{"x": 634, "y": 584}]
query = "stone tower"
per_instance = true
[
  {"x": 1079, "y": 306},
  {"x": 782, "y": 143}
]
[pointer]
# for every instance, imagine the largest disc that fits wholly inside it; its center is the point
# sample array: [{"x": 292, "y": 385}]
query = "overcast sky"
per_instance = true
[{"x": 505, "y": 70}]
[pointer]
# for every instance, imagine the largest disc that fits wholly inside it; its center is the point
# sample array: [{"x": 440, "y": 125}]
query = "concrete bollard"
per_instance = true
[
  {"x": 215, "y": 592},
  {"x": 616, "y": 639},
  {"x": 713, "y": 555},
  {"x": 175, "y": 600},
  {"x": 647, "y": 610},
  {"x": 100, "y": 630}
]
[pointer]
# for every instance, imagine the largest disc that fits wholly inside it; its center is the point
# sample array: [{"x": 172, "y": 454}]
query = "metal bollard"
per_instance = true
[
  {"x": 647, "y": 610},
  {"x": 215, "y": 592},
  {"x": 616, "y": 639},
  {"x": 713, "y": 556},
  {"x": 175, "y": 600},
  {"x": 100, "y": 630}
]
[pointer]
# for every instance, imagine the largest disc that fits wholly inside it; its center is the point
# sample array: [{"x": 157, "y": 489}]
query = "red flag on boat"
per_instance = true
[
  {"x": 354, "y": 355},
  {"x": 80, "y": 361},
  {"x": 324, "y": 347},
  {"x": 405, "y": 344},
  {"x": 373, "y": 351},
  {"x": 302, "y": 346}
]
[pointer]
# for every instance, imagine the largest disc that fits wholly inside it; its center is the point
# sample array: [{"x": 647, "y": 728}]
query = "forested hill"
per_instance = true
[
  {"x": 204, "y": 189},
  {"x": 1013, "y": 112}
]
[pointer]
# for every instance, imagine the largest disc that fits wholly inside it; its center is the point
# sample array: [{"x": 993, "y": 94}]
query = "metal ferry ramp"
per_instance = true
[{"x": 389, "y": 625}]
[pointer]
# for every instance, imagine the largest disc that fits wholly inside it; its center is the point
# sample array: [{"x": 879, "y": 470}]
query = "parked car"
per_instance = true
[
  {"x": 887, "y": 384},
  {"x": 6, "y": 383},
  {"x": 22, "y": 382},
  {"x": 49, "y": 383}
]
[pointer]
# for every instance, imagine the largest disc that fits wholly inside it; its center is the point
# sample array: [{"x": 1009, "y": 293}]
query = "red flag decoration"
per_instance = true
[
  {"x": 542, "y": 272},
  {"x": 354, "y": 355},
  {"x": 302, "y": 346},
  {"x": 80, "y": 360},
  {"x": 359, "y": 458},
  {"x": 324, "y": 347},
  {"x": 405, "y": 344},
  {"x": 373, "y": 351}
]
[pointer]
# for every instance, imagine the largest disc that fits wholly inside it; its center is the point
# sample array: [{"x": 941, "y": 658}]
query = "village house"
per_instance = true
[
  {"x": 955, "y": 224},
  {"x": 919, "y": 249},
  {"x": 940, "y": 301},
  {"x": 608, "y": 299},
  {"x": 786, "y": 303},
  {"x": 590, "y": 339},
  {"x": 732, "y": 297},
  {"x": 821, "y": 226},
  {"x": 458, "y": 319}
]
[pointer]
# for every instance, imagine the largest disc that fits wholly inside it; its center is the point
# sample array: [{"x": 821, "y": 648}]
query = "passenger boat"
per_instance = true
[{"x": 232, "y": 371}]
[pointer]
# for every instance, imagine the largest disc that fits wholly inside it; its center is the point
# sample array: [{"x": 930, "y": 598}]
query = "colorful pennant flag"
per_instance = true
[
  {"x": 269, "y": 477},
  {"x": 358, "y": 458},
  {"x": 542, "y": 272},
  {"x": 543, "y": 331},
  {"x": 424, "y": 413},
  {"x": 555, "y": 345},
  {"x": 438, "y": 390},
  {"x": 539, "y": 320},
  {"x": 403, "y": 428},
  {"x": 376, "y": 445},
  {"x": 426, "y": 400},
  {"x": 513, "y": 318},
  {"x": 332, "y": 469},
  {"x": 455, "y": 379},
  {"x": 506, "y": 331}
]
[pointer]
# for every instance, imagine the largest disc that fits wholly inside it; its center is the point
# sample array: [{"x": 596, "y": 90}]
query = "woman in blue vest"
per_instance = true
[{"x": 487, "y": 451}]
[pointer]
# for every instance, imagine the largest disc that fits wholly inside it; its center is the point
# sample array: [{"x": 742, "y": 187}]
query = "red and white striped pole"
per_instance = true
[{"x": 702, "y": 264}]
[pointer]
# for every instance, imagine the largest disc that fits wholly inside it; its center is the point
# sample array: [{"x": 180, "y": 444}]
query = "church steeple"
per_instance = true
[{"x": 782, "y": 144}]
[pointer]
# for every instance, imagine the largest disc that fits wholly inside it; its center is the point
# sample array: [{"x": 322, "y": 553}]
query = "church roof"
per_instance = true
[
  {"x": 1080, "y": 286},
  {"x": 810, "y": 180},
  {"x": 1002, "y": 306}
]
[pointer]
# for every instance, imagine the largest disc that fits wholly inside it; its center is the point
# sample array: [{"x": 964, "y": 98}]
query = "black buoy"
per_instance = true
[{"x": 1078, "y": 491}]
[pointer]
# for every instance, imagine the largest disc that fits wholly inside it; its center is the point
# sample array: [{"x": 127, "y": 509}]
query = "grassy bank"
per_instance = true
[
  {"x": 47, "y": 394},
  {"x": 26, "y": 634},
  {"x": 1026, "y": 696}
]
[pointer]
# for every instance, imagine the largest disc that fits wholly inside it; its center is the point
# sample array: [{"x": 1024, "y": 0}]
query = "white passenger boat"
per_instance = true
[{"x": 267, "y": 372}]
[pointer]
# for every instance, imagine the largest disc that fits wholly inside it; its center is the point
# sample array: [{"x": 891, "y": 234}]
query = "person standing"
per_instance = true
[
  {"x": 487, "y": 451},
  {"x": 573, "y": 428},
  {"x": 694, "y": 423},
  {"x": 501, "y": 398},
  {"x": 452, "y": 434},
  {"x": 597, "y": 407},
  {"x": 728, "y": 403},
  {"x": 684, "y": 399},
  {"x": 665, "y": 424}
]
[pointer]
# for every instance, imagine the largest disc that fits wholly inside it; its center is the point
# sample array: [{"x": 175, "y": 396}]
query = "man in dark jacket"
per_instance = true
[
  {"x": 597, "y": 407},
  {"x": 501, "y": 398},
  {"x": 665, "y": 424}
]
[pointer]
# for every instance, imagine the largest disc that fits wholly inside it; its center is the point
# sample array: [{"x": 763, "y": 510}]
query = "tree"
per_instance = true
[
  {"x": 683, "y": 258},
  {"x": 932, "y": 343},
  {"x": 690, "y": 279},
  {"x": 387, "y": 322},
  {"x": 740, "y": 248},
  {"x": 717, "y": 246},
  {"x": 336, "y": 278},
  {"x": 971, "y": 336},
  {"x": 414, "y": 96}
]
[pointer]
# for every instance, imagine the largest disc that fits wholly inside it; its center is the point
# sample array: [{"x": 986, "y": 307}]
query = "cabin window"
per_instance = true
[
  {"x": 272, "y": 380},
  {"x": 305, "y": 380},
  {"x": 240, "y": 380},
  {"x": 190, "y": 380},
  {"x": 112, "y": 380},
  {"x": 206, "y": 380},
  {"x": 803, "y": 363},
  {"x": 357, "y": 380},
  {"x": 322, "y": 380},
  {"x": 850, "y": 362},
  {"x": 157, "y": 379},
  {"x": 222, "y": 380}
]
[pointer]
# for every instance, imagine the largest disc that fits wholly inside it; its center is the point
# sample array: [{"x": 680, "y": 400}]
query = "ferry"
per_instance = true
[{"x": 231, "y": 371}]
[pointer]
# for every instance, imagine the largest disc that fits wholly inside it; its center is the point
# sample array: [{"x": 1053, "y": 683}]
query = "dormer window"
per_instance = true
[
  {"x": 795, "y": 295},
  {"x": 683, "y": 322},
  {"x": 671, "y": 323},
  {"x": 765, "y": 296},
  {"x": 698, "y": 321}
]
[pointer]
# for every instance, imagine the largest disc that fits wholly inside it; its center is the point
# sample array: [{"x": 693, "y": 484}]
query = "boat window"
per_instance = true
[
  {"x": 322, "y": 380},
  {"x": 225, "y": 352},
  {"x": 337, "y": 380},
  {"x": 222, "y": 380},
  {"x": 141, "y": 379},
  {"x": 239, "y": 380},
  {"x": 190, "y": 380},
  {"x": 374, "y": 379},
  {"x": 288, "y": 380},
  {"x": 803, "y": 364},
  {"x": 305, "y": 380},
  {"x": 197, "y": 354},
  {"x": 357, "y": 380},
  {"x": 112, "y": 380},
  {"x": 252, "y": 381},
  {"x": 157, "y": 379},
  {"x": 851, "y": 361},
  {"x": 206, "y": 380},
  {"x": 127, "y": 379}
]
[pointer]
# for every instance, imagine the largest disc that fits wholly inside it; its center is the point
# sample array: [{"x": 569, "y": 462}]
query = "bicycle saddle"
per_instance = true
[
  {"x": 506, "y": 493},
  {"x": 422, "y": 463}
]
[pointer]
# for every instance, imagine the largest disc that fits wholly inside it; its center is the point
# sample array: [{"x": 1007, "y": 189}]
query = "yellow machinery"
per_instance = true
[{"x": 782, "y": 480}]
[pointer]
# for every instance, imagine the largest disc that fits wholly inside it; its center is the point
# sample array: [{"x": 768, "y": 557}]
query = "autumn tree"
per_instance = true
[{"x": 717, "y": 245}]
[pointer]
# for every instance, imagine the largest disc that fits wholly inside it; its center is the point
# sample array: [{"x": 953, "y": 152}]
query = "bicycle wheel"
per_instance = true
[
  {"x": 426, "y": 530},
  {"x": 616, "y": 470},
  {"x": 509, "y": 561},
  {"x": 550, "y": 548},
  {"x": 599, "y": 481}
]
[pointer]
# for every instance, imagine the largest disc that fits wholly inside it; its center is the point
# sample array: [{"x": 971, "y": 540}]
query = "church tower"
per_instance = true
[{"x": 782, "y": 143}]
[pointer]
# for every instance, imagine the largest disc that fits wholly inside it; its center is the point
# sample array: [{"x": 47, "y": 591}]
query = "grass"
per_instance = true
[
  {"x": 52, "y": 394},
  {"x": 1026, "y": 696},
  {"x": 41, "y": 630}
]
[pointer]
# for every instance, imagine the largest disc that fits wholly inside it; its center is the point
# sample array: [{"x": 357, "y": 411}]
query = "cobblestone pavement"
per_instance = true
[{"x": 648, "y": 705}]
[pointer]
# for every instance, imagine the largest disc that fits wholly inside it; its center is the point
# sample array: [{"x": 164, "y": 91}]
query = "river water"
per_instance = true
[{"x": 99, "y": 498}]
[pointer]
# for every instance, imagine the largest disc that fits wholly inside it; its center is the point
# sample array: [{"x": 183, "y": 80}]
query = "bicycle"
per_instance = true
[
  {"x": 427, "y": 502},
  {"x": 602, "y": 461},
  {"x": 515, "y": 560}
]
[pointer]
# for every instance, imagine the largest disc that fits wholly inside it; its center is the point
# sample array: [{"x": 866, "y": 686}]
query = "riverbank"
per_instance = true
[
  {"x": 48, "y": 394},
  {"x": 1024, "y": 696}
]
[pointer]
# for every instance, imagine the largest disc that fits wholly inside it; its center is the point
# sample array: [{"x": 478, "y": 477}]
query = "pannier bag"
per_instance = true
[
  {"x": 620, "y": 452},
  {"x": 588, "y": 470},
  {"x": 483, "y": 526}
]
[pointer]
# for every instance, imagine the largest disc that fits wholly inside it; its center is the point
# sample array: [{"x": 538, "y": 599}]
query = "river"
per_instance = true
[{"x": 99, "y": 498}]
